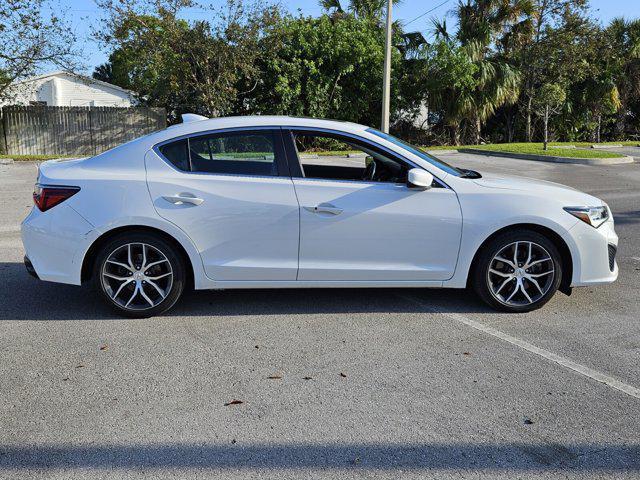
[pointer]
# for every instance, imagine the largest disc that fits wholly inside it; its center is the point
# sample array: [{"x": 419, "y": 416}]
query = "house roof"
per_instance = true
[{"x": 71, "y": 74}]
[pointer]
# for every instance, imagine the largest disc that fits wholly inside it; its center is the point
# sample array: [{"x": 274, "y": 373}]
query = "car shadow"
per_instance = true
[
  {"x": 588, "y": 459},
  {"x": 27, "y": 298},
  {"x": 627, "y": 218}
]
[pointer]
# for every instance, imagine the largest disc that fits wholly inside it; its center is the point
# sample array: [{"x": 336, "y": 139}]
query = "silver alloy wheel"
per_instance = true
[
  {"x": 137, "y": 276},
  {"x": 520, "y": 274}
]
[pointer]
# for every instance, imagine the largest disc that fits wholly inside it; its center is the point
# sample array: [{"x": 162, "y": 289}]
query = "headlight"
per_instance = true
[{"x": 594, "y": 216}]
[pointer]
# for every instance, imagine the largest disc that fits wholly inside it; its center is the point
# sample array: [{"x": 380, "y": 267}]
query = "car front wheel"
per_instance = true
[
  {"x": 518, "y": 271},
  {"x": 139, "y": 274}
]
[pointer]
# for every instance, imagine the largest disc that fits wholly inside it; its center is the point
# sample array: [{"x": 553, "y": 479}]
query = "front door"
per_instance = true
[
  {"x": 231, "y": 193},
  {"x": 359, "y": 221}
]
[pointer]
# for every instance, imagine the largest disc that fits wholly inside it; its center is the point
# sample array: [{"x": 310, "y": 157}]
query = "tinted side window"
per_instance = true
[
  {"x": 332, "y": 157},
  {"x": 177, "y": 153},
  {"x": 239, "y": 153}
]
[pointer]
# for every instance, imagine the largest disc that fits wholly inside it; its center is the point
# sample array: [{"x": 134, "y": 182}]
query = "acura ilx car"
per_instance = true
[{"x": 284, "y": 202}]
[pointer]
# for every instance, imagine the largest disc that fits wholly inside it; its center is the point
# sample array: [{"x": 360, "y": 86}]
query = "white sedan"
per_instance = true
[{"x": 283, "y": 202}]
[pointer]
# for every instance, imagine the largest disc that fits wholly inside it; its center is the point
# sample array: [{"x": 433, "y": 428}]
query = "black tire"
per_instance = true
[
  {"x": 172, "y": 285},
  {"x": 482, "y": 280}
]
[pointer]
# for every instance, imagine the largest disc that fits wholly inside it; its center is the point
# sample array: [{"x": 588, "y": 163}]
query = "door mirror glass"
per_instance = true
[{"x": 419, "y": 179}]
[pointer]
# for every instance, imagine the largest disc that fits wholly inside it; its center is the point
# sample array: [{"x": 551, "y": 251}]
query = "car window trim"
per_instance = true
[
  {"x": 292, "y": 152},
  {"x": 279, "y": 150}
]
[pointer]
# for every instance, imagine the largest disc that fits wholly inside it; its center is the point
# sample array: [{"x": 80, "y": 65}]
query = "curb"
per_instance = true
[
  {"x": 550, "y": 159},
  {"x": 442, "y": 152},
  {"x": 603, "y": 147},
  {"x": 6, "y": 161}
]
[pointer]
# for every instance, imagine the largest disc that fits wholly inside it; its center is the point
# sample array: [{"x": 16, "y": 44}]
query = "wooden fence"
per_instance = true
[{"x": 81, "y": 131}]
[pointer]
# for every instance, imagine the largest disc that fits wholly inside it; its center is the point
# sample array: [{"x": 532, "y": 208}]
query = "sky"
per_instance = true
[{"x": 84, "y": 15}]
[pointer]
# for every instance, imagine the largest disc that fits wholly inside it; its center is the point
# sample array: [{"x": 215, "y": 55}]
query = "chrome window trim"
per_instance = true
[
  {"x": 245, "y": 128},
  {"x": 189, "y": 136}
]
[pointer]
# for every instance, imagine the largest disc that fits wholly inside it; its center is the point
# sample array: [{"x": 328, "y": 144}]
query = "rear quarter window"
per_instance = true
[{"x": 177, "y": 153}]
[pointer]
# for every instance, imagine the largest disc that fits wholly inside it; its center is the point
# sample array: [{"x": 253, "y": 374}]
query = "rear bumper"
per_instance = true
[
  {"x": 52, "y": 241},
  {"x": 29, "y": 266}
]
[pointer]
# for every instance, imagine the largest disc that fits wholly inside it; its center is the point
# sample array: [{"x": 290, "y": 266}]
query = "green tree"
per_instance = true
[
  {"x": 365, "y": 9},
  {"x": 549, "y": 101},
  {"x": 185, "y": 66},
  {"x": 598, "y": 93},
  {"x": 538, "y": 35},
  {"x": 30, "y": 39},
  {"x": 450, "y": 81},
  {"x": 623, "y": 37},
  {"x": 323, "y": 67},
  {"x": 496, "y": 82}
]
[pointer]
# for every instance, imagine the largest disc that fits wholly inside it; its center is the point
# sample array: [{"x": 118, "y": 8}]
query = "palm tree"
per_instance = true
[
  {"x": 495, "y": 82},
  {"x": 481, "y": 22},
  {"x": 369, "y": 9}
]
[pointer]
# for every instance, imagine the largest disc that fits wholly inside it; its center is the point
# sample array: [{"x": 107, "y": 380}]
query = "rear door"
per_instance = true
[{"x": 231, "y": 192}]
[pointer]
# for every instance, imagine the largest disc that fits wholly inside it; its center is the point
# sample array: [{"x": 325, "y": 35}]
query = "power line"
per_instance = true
[{"x": 427, "y": 12}]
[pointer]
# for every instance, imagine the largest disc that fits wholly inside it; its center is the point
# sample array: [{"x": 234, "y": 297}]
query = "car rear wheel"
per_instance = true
[
  {"x": 518, "y": 271},
  {"x": 139, "y": 274}
]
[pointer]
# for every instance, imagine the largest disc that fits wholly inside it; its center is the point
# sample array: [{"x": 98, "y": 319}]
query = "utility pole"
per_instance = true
[{"x": 386, "y": 81}]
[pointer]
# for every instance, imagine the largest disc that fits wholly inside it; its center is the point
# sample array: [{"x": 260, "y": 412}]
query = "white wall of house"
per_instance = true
[{"x": 62, "y": 89}]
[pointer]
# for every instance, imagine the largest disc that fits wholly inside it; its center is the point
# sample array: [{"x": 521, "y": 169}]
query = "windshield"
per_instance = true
[{"x": 418, "y": 152}]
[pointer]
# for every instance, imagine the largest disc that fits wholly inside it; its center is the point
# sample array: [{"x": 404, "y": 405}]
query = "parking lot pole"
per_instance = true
[{"x": 386, "y": 82}]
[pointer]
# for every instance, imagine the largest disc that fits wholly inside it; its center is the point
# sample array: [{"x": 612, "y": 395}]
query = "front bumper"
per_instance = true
[{"x": 594, "y": 254}]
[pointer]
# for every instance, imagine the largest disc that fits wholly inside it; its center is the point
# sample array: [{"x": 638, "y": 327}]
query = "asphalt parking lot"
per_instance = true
[{"x": 333, "y": 383}]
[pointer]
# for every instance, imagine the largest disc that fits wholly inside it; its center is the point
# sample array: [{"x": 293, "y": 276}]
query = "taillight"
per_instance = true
[{"x": 48, "y": 196}]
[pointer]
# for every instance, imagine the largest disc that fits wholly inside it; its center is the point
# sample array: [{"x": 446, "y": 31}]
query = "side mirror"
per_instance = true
[{"x": 419, "y": 179}]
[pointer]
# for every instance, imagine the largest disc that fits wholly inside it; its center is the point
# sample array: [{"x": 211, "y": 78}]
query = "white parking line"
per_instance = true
[{"x": 560, "y": 360}]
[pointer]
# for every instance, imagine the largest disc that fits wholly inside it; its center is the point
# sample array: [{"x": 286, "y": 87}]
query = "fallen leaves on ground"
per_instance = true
[
  {"x": 343, "y": 375},
  {"x": 306, "y": 378},
  {"x": 233, "y": 402},
  {"x": 104, "y": 347},
  {"x": 274, "y": 377}
]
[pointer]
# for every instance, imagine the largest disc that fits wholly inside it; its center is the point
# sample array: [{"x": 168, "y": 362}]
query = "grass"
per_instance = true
[
  {"x": 537, "y": 149},
  {"x": 36, "y": 158},
  {"x": 625, "y": 143}
]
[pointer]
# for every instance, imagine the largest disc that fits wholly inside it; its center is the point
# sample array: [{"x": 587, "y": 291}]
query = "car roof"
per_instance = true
[
  {"x": 147, "y": 142},
  {"x": 193, "y": 127}
]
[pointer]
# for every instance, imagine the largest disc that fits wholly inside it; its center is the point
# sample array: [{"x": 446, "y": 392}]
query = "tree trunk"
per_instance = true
[
  {"x": 529, "y": 105},
  {"x": 509, "y": 123},
  {"x": 546, "y": 127},
  {"x": 477, "y": 130},
  {"x": 455, "y": 134},
  {"x": 599, "y": 128},
  {"x": 620, "y": 123}
]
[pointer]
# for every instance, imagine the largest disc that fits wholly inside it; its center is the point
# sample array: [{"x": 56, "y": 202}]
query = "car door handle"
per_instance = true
[
  {"x": 183, "y": 198},
  {"x": 325, "y": 208}
]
